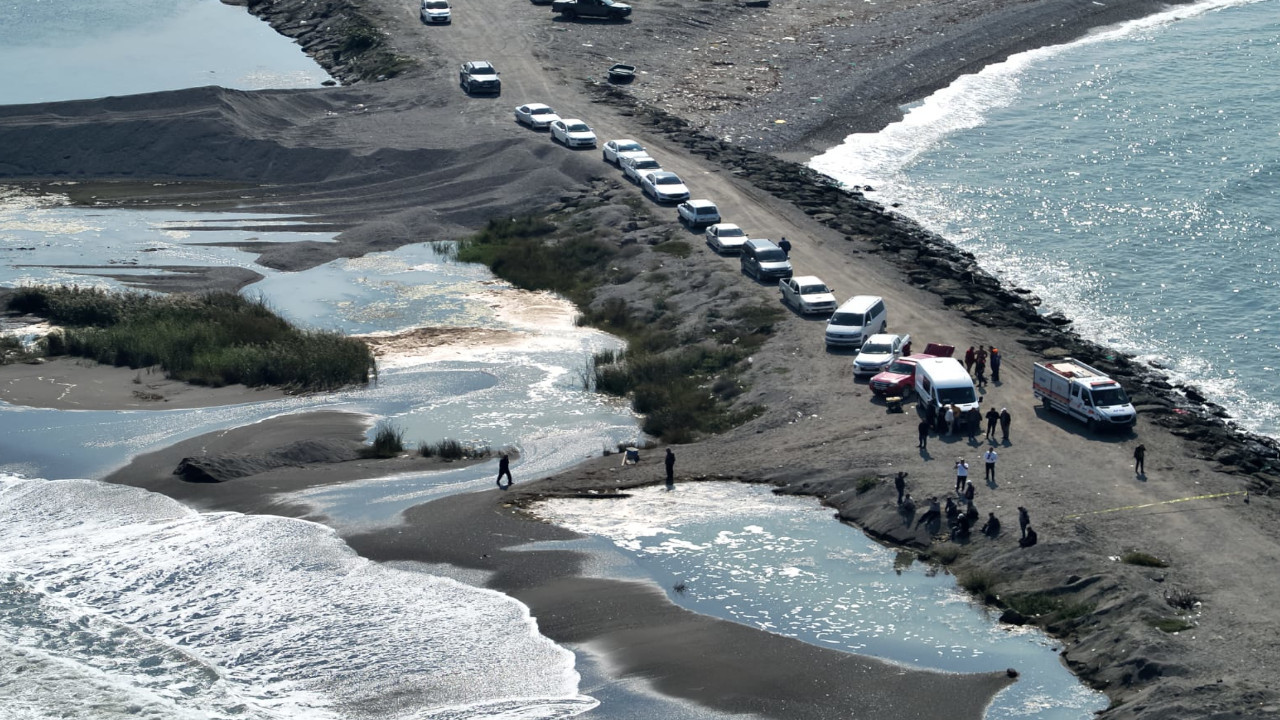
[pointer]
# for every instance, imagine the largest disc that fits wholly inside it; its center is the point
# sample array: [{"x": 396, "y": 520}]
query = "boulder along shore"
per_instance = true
[{"x": 409, "y": 159}]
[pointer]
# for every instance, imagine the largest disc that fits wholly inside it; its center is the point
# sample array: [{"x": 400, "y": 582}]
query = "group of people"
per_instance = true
[
  {"x": 959, "y": 521},
  {"x": 975, "y": 361},
  {"x": 945, "y": 419}
]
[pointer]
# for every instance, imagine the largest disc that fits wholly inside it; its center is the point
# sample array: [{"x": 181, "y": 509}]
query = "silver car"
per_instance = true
[
  {"x": 726, "y": 238},
  {"x": 615, "y": 150},
  {"x": 536, "y": 115},
  {"x": 635, "y": 168},
  {"x": 664, "y": 187},
  {"x": 807, "y": 294},
  {"x": 573, "y": 133}
]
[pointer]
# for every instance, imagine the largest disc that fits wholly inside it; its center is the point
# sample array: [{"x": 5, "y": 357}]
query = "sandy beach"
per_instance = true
[{"x": 358, "y": 158}]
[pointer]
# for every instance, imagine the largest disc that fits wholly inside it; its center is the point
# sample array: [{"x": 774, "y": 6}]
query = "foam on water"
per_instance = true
[
  {"x": 1125, "y": 178},
  {"x": 135, "y": 605},
  {"x": 783, "y": 565}
]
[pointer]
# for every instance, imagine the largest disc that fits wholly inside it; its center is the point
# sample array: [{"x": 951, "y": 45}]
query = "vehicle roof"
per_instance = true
[
  {"x": 571, "y": 121},
  {"x": 944, "y": 370},
  {"x": 637, "y": 158},
  {"x": 858, "y": 303},
  {"x": 725, "y": 226},
  {"x": 761, "y": 243},
  {"x": 917, "y": 356},
  {"x": 536, "y": 106},
  {"x": 663, "y": 173},
  {"x": 624, "y": 141},
  {"x": 882, "y": 337},
  {"x": 480, "y": 64},
  {"x": 700, "y": 203},
  {"x": 807, "y": 280}
]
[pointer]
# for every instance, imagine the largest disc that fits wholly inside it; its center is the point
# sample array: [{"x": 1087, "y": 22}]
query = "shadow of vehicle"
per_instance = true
[{"x": 1075, "y": 427}]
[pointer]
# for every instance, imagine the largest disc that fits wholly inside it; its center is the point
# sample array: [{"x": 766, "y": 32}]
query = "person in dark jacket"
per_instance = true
[
  {"x": 1024, "y": 520},
  {"x": 1029, "y": 539},
  {"x": 504, "y": 468},
  {"x": 923, "y": 430},
  {"x": 900, "y": 484},
  {"x": 991, "y": 528},
  {"x": 995, "y": 365},
  {"x": 1005, "y": 419},
  {"x": 1140, "y": 460},
  {"x": 671, "y": 469},
  {"x": 970, "y": 356},
  {"x": 785, "y": 244},
  {"x": 993, "y": 417}
]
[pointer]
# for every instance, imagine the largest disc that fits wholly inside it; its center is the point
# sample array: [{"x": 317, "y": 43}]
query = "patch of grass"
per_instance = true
[
  {"x": 1181, "y": 598},
  {"x": 214, "y": 339},
  {"x": 527, "y": 253},
  {"x": 388, "y": 442},
  {"x": 980, "y": 582},
  {"x": 1039, "y": 604},
  {"x": 866, "y": 482},
  {"x": 13, "y": 351},
  {"x": 450, "y": 449},
  {"x": 1171, "y": 625},
  {"x": 1142, "y": 559},
  {"x": 679, "y": 248},
  {"x": 944, "y": 554}
]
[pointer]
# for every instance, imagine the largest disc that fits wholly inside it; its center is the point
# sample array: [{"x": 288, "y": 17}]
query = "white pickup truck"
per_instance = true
[{"x": 1085, "y": 393}]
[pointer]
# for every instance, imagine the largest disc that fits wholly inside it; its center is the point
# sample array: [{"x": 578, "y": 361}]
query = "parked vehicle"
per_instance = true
[
  {"x": 615, "y": 150},
  {"x": 944, "y": 381},
  {"x": 726, "y": 238},
  {"x": 479, "y": 76},
  {"x": 858, "y": 318},
  {"x": 763, "y": 260},
  {"x": 436, "y": 12},
  {"x": 536, "y": 116},
  {"x": 899, "y": 379},
  {"x": 1085, "y": 393},
  {"x": 807, "y": 294},
  {"x": 573, "y": 133},
  {"x": 698, "y": 213},
  {"x": 634, "y": 168},
  {"x": 878, "y": 352},
  {"x": 607, "y": 9},
  {"x": 664, "y": 186}
]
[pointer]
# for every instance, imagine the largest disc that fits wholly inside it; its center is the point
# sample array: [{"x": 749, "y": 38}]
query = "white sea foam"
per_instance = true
[{"x": 126, "y": 602}]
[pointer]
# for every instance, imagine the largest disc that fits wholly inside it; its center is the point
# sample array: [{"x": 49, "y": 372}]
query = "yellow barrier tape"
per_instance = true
[{"x": 1153, "y": 504}]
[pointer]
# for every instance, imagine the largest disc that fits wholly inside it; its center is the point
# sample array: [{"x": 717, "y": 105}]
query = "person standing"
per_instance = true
[
  {"x": 785, "y": 244},
  {"x": 969, "y": 492},
  {"x": 969, "y": 357},
  {"x": 504, "y": 468},
  {"x": 1139, "y": 460},
  {"x": 980, "y": 371},
  {"x": 1024, "y": 520},
  {"x": 670, "y": 462},
  {"x": 995, "y": 365},
  {"x": 923, "y": 430},
  {"x": 993, "y": 417},
  {"x": 973, "y": 422},
  {"x": 962, "y": 474},
  {"x": 981, "y": 357},
  {"x": 951, "y": 419},
  {"x": 1005, "y": 419},
  {"x": 900, "y": 484},
  {"x": 990, "y": 459}
]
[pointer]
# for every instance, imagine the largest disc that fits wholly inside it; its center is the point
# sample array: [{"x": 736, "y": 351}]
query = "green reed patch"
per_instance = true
[
  {"x": 388, "y": 442},
  {"x": 212, "y": 339},
  {"x": 1143, "y": 560}
]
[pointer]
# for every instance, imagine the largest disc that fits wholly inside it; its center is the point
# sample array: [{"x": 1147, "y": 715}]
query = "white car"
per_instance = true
[
  {"x": 726, "y": 238},
  {"x": 436, "y": 12},
  {"x": 573, "y": 133},
  {"x": 878, "y": 353},
  {"x": 615, "y": 150},
  {"x": 664, "y": 186},
  {"x": 698, "y": 213},
  {"x": 635, "y": 168},
  {"x": 807, "y": 294},
  {"x": 536, "y": 116}
]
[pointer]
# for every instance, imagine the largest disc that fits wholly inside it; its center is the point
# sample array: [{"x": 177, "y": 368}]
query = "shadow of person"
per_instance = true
[
  {"x": 991, "y": 483},
  {"x": 924, "y": 454},
  {"x": 1142, "y": 476}
]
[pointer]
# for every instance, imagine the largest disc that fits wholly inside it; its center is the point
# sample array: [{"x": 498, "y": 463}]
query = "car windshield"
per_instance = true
[
  {"x": 542, "y": 111},
  {"x": 579, "y": 127},
  {"x": 630, "y": 147},
  {"x": 646, "y": 164},
  {"x": 902, "y": 368},
  {"x": 854, "y": 319},
  {"x": 731, "y": 232},
  {"x": 667, "y": 180},
  {"x": 437, "y": 5},
  {"x": 482, "y": 69},
  {"x": 774, "y": 255},
  {"x": 877, "y": 348},
  {"x": 1110, "y": 396},
  {"x": 814, "y": 289},
  {"x": 956, "y": 395}
]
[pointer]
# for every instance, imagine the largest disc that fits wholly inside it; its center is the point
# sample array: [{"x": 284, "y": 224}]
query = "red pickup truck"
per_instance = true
[{"x": 900, "y": 378}]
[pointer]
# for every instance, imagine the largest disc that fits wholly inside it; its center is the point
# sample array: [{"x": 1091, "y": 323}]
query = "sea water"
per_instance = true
[
  {"x": 1131, "y": 179},
  {"x": 783, "y": 565},
  {"x": 77, "y": 49}
]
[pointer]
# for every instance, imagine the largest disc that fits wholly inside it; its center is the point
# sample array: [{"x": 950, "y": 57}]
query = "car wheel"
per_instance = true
[{"x": 571, "y": 14}]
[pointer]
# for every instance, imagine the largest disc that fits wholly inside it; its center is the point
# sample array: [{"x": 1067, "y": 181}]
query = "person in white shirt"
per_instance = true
[
  {"x": 990, "y": 459},
  {"x": 962, "y": 474}
]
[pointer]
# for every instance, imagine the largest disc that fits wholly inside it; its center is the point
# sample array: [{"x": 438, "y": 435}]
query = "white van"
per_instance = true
[
  {"x": 944, "y": 381},
  {"x": 860, "y": 317}
]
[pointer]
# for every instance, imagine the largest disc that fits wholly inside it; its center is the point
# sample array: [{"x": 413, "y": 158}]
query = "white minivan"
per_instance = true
[
  {"x": 860, "y": 317},
  {"x": 944, "y": 381}
]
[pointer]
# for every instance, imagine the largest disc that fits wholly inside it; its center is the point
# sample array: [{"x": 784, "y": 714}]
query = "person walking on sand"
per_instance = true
[
  {"x": 951, "y": 419},
  {"x": 504, "y": 468},
  {"x": 969, "y": 357},
  {"x": 993, "y": 417},
  {"x": 962, "y": 474},
  {"x": 1005, "y": 419},
  {"x": 670, "y": 462},
  {"x": 900, "y": 484},
  {"x": 1140, "y": 460},
  {"x": 995, "y": 365},
  {"x": 785, "y": 245},
  {"x": 1024, "y": 520},
  {"x": 923, "y": 430},
  {"x": 990, "y": 459}
]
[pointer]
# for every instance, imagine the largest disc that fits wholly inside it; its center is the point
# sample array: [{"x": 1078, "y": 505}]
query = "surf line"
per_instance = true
[{"x": 1162, "y": 502}]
